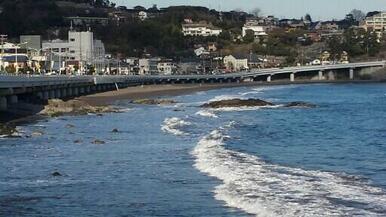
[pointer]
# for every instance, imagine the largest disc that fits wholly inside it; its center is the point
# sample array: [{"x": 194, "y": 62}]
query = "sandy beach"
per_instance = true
[{"x": 149, "y": 91}]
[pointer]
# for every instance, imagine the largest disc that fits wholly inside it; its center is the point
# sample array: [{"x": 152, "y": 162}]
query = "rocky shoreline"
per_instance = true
[{"x": 232, "y": 103}]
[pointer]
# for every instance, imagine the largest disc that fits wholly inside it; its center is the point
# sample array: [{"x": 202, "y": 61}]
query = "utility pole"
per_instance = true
[{"x": 2, "y": 39}]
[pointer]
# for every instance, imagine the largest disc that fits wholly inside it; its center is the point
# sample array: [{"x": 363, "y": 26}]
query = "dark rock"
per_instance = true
[
  {"x": 300, "y": 105},
  {"x": 9, "y": 131},
  {"x": 70, "y": 126},
  {"x": 154, "y": 101},
  {"x": 178, "y": 110},
  {"x": 78, "y": 141},
  {"x": 237, "y": 103},
  {"x": 56, "y": 174},
  {"x": 115, "y": 131},
  {"x": 98, "y": 142}
]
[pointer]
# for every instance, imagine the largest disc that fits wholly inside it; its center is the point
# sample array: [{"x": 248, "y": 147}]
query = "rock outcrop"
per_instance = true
[
  {"x": 8, "y": 131},
  {"x": 237, "y": 103},
  {"x": 154, "y": 101},
  {"x": 300, "y": 105},
  {"x": 98, "y": 142},
  {"x": 57, "y": 107}
]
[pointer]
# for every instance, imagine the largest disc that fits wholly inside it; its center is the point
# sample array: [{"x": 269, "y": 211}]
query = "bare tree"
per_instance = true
[
  {"x": 256, "y": 12},
  {"x": 358, "y": 15}
]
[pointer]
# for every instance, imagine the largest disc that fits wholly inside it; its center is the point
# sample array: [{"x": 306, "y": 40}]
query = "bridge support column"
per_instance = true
[
  {"x": 93, "y": 88},
  {"x": 52, "y": 94},
  {"x": 3, "y": 103},
  {"x": 269, "y": 78},
  {"x": 58, "y": 94},
  {"x": 88, "y": 89},
  {"x": 69, "y": 92},
  {"x": 320, "y": 77},
  {"x": 292, "y": 77},
  {"x": 39, "y": 95},
  {"x": 75, "y": 91},
  {"x": 12, "y": 99},
  {"x": 46, "y": 95},
  {"x": 63, "y": 92},
  {"x": 351, "y": 74}
]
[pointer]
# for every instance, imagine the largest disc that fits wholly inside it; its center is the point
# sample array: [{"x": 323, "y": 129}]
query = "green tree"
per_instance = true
[{"x": 249, "y": 36}]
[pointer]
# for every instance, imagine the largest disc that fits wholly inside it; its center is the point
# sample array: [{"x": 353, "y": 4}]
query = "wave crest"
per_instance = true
[
  {"x": 263, "y": 189},
  {"x": 174, "y": 125}
]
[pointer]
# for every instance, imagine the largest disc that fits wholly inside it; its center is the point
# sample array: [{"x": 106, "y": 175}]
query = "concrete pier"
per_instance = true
[
  {"x": 12, "y": 99},
  {"x": 3, "y": 103},
  {"x": 292, "y": 77},
  {"x": 75, "y": 91},
  {"x": 52, "y": 94},
  {"x": 320, "y": 77},
  {"x": 269, "y": 78},
  {"x": 58, "y": 94},
  {"x": 351, "y": 71},
  {"x": 63, "y": 92},
  {"x": 69, "y": 92},
  {"x": 46, "y": 95}
]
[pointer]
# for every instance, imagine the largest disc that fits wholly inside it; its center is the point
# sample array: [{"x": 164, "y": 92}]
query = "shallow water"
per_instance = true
[{"x": 181, "y": 160}]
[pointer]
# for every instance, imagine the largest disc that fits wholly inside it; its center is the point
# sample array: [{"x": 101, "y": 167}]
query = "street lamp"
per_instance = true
[{"x": 17, "y": 65}]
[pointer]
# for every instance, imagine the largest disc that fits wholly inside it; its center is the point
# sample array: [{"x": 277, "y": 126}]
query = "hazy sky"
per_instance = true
[{"x": 319, "y": 9}]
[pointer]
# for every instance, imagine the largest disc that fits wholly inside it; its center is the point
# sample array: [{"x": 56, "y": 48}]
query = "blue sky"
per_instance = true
[{"x": 319, "y": 9}]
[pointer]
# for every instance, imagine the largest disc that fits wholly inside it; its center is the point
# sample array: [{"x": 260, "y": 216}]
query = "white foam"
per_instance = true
[
  {"x": 174, "y": 125},
  {"x": 246, "y": 108},
  {"x": 224, "y": 97},
  {"x": 207, "y": 113},
  {"x": 264, "y": 189}
]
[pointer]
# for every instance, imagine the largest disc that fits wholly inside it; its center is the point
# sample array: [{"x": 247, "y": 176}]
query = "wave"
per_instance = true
[
  {"x": 224, "y": 97},
  {"x": 246, "y": 108},
  {"x": 207, "y": 113},
  {"x": 264, "y": 189},
  {"x": 174, "y": 125}
]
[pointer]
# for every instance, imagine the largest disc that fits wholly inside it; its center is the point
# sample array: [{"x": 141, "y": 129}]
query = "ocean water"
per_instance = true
[{"x": 182, "y": 160}]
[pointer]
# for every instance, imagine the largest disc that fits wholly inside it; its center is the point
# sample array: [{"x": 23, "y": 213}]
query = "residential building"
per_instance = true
[
  {"x": 255, "y": 26},
  {"x": 148, "y": 66},
  {"x": 200, "y": 29},
  {"x": 235, "y": 63},
  {"x": 12, "y": 55},
  {"x": 167, "y": 67},
  {"x": 376, "y": 22},
  {"x": 142, "y": 15}
]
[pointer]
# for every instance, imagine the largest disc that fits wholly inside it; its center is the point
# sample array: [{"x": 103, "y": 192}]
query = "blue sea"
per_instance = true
[{"x": 183, "y": 160}]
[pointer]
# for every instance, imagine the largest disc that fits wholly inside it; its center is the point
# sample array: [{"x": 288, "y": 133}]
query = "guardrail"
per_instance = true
[{"x": 12, "y": 80}]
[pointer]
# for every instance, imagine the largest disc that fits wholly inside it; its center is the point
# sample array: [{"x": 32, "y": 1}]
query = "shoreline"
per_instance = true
[{"x": 153, "y": 91}]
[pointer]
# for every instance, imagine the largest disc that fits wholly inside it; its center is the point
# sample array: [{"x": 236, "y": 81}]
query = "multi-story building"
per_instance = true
[
  {"x": 148, "y": 66},
  {"x": 80, "y": 48},
  {"x": 167, "y": 67},
  {"x": 375, "y": 23},
  {"x": 255, "y": 26},
  {"x": 200, "y": 29}
]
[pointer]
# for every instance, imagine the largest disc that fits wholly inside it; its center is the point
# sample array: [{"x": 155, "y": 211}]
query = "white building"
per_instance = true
[
  {"x": 142, "y": 15},
  {"x": 200, "y": 29},
  {"x": 148, "y": 66},
  {"x": 375, "y": 23},
  {"x": 80, "y": 47},
  {"x": 233, "y": 63},
  {"x": 167, "y": 67},
  {"x": 255, "y": 26}
]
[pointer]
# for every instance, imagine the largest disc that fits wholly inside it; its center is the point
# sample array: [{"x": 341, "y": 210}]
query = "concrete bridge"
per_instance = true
[{"x": 32, "y": 88}]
